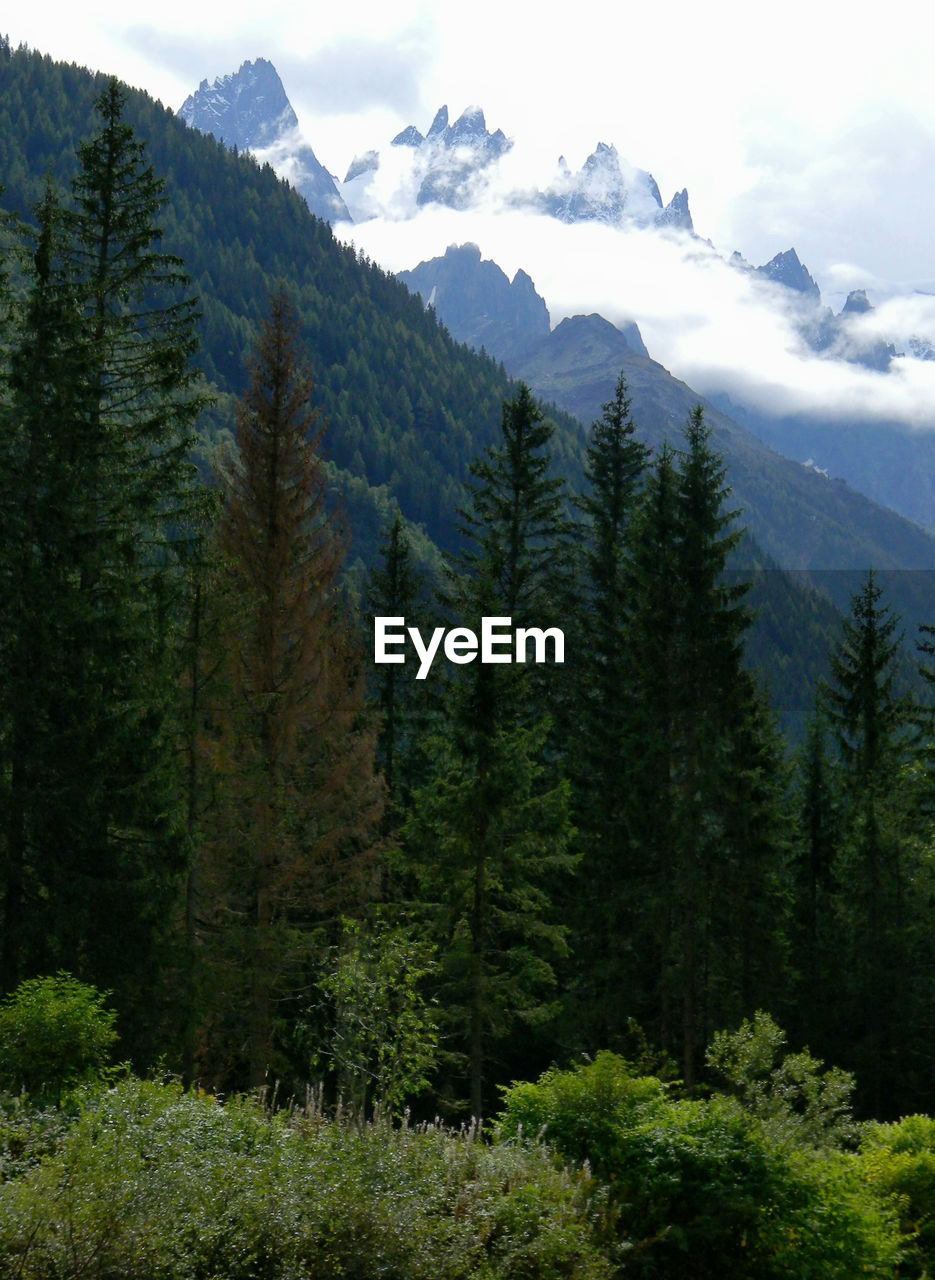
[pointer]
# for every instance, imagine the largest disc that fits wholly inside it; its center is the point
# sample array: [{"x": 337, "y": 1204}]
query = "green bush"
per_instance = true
[
  {"x": 55, "y": 1033},
  {"x": 583, "y": 1113},
  {"x": 898, "y": 1161},
  {"x": 699, "y": 1188},
  {"x": 27, "y": 1134},
  {"x": 155, "y": 1183},
  {"x": 795, "y": 1097}
]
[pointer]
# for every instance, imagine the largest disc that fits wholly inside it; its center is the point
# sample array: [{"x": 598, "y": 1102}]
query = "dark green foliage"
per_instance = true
[
  {"x": 869, "y": 717},
  {"x": 395, "y": 590},
  {"x": 706, "y": 775},
  {"x": 55, "y": 1033},
  {"x": 515, "y": 525},
  {"x": 601, "y": 716},
  {"x": 882, "y": 873},
  {"x": 490, "y": 831},
  {"x": 99, "y": 498},
  {"x": 487, "y": 841},
  {"x": 815, "y": 851}
]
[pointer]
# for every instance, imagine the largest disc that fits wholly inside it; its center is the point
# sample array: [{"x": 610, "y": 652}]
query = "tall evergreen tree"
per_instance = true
[
  {"x": 879, "y": 866},
  {"x": 601, "y": 721},
  {"x": 705, "y": 792},
  {"x": 516, "y": 524},
  {"x": 103, "y": 389},
  {"x": 292, "y": 842},
  {"x": 490, "y": 832}
]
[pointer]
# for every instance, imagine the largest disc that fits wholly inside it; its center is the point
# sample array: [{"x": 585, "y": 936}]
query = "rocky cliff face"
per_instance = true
[
  {"x": 786, "y": 269},
  {"x": 249, "y": 110},
  {"x": 478, "y": 303},
  {"x": 607, "y": 189}
]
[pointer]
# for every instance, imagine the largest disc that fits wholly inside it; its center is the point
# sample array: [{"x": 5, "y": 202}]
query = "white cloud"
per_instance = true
[{"x": 713, "y": 326}]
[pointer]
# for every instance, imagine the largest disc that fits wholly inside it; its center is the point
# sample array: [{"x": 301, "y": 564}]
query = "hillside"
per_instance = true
[{"x": 407, "y": 406}]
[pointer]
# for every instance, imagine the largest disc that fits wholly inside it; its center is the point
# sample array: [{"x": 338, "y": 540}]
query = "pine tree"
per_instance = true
[
  {"x": 877, "y": 869},
  {"x": 601, "y": 718},
  {"x": 292, "y": 843},
  {"x": 704, "y": 816},
  {"x": 490, "y": 832},
  {"x": 103, "y": 401}
]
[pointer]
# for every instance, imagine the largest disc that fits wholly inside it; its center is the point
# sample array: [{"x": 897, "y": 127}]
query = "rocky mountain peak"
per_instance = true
[
  {"x": 788, "y": 270},
  {"x": 409, "y": 137},
  {"x": 439, "y": 124},
  {"x": 478, "y": 302},
  {"x": 610, "y": 190},
  {"x": 249, "y": 110},
  {"x": 857, "y": 303}
]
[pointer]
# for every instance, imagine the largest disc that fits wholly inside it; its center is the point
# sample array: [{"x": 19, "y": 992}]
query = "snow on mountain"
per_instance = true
[
  {"x": 456, "y": 165},
  {"x": 447, "y": 166},
  {"x": 249, "y": 110},
  {"x": 610, "y": 190}
]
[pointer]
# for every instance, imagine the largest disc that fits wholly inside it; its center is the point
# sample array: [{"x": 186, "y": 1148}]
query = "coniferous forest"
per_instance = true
[{"x": 313, "y": 967}]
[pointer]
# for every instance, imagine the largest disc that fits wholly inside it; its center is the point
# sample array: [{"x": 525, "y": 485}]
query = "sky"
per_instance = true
[{"x": 812, "y": 127}]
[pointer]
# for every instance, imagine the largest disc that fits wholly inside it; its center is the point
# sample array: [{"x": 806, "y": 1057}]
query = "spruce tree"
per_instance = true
[
  {"x": 291, "y": 844},
  {"x": 489, "y": 835},
  {"x": 705, "y": 794},
  {"x": 102, "y": 388},
  {"x": 601, "y": 721},
  {"x": 516, "y": 525},
  {"x": 880, "y": 867}
]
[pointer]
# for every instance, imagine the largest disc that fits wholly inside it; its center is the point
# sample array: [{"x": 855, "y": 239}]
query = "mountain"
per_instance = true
[
  {"x": 607, "y": 189},
  {"x": 249, "y": 110},
  {"x": 407, "y": 407},
  {"x": 477, "y": 302},
  {"x": 826, "y": 533},
  {"x": 449, "y": 164},
  {"x": 455, "y": 165},
  {"x": 804, "y": 520},
  {"x": 787, "y": 270}
]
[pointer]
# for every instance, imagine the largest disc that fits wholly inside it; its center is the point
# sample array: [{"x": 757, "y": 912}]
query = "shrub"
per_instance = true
[
  {"x": 55, "y": 1032},
  {"x": 794, "y": 1096},
  {"x": 155, "y": 1183},
  {"x": 582, "y": 1113},
  {"x": 383, "y": 1041},
  {"x": 898, "y": 1161},
  {"x": 699, "y": 1187}
]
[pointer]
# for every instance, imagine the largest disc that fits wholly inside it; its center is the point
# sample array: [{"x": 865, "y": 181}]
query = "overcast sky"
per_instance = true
[{"x": 814, "y": 129}]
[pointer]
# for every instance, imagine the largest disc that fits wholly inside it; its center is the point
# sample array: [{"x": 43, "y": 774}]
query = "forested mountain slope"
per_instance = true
[{"x": 407, "y": 407}]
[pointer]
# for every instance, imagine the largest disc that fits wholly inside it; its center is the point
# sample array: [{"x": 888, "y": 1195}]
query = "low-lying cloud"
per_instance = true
[{"x": 719, "y": 328}]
